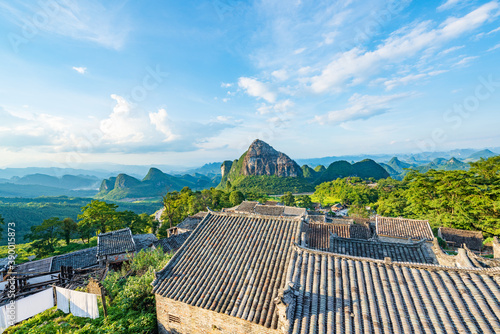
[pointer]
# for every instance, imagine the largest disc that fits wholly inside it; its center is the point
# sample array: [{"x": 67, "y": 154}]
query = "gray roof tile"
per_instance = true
[
  {"x": 340, "y": 294},
  {"x": 416, "y": 252},
  {"x": 318, "y": 234},
  {"x": 233, "y": 264},
  {"x": 172, "y": 243},
  {"x": 115, "y": 242},
  {"x": 404, "y": 228},
  {"x": 473, "y": 239},
  {"x": 80, "y": 259},
  {"x": 143, "y": 241},
  {"x": 34, "y": 267}
]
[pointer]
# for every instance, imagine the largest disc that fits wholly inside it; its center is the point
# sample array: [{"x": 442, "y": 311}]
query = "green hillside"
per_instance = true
[
  {"x": 364, "y": 169},
  {"x": 154, "y": 185}
]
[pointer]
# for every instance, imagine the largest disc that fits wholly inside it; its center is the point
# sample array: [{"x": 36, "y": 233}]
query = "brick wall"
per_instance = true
[{"x": 179, "y": 318}]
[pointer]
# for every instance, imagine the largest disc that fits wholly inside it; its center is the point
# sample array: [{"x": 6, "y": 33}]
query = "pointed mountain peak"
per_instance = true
[{"x": 262, "y": 159}]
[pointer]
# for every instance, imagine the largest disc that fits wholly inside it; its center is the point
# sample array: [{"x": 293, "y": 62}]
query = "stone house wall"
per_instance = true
[{"x": 180, "y": 318}]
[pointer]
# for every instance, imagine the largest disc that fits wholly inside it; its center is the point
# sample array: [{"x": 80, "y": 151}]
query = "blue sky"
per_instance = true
[{"x": 191, "y": 82}]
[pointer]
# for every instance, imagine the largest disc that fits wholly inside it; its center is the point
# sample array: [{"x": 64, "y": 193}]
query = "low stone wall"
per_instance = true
[
  {"x": 496, "y": 248},
  {"x": 179, "y": 318}
]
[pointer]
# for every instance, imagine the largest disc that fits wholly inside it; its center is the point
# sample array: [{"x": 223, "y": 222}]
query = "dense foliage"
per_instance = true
[
  {"x": 28, "y": 212},
  {"x": 131, "y": 305},
  {"x": 96, "y": 217},
  {"x": 460, "y": 199},
  {"x": 179, "y": 205},
  {"x": 271, "y": 184}
]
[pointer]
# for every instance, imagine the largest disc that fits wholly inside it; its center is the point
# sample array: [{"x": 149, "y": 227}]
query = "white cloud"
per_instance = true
[
  {"x": 279, "y": 107},
  {"x": 299, "y": 51},
  {"x": 120, "y": 127},
  {"x": 281, "y": 75},
  {"x": 226, "y": 85},
  {"x": 454, "y": 48},
  {"x": 465, "y": 60},
  {"x": 104, "y": 23},
  {"x": 162, "y": 124},
  {"x": 494, "y": 31},
  {"x": 494, "y": 47},
  {"x": 354, "y": 66},
  {"x": 448, "y": 4},
  {"x": 257, "y": 89},
  {"x": 401, "y": 81},
  {"x": 81, "y": 70},
  {"x": 361, "y": 107}
]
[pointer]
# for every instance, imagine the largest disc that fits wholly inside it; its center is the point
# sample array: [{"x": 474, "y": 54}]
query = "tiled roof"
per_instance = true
[
  {"x": 268, "y": 210},
  {"x": 473, "y": 239},
  {"x": 80, "y": 259},
  {"x": 173, "y": 243},
  {"x": 189, "y": 224},
  {"x": 115, "y": 242},
  {"x": 318, "y": 234},
  {"x": 316, "y": 218},
  {"x": 338, "y": 220},
  {"x": 404, "y": 228},
  {"x": 416, "y": 252},
  {"x": 143, "y": 241},
  {"x": 233, "y": 264},
  {"x": 246, "y": 206},
  {"x": 293, "y": 211},
  {"x": 339, "y": 294},
  {"x": 35, "y": 267}
]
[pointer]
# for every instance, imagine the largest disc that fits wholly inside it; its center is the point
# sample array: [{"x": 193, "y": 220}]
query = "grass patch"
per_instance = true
[{"x": 131, "y": 308}]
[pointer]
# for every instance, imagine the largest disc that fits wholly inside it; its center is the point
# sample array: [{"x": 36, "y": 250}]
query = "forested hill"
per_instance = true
[
  {"x": 154, "y": 185},
  {"x": 263, "y": 169}
]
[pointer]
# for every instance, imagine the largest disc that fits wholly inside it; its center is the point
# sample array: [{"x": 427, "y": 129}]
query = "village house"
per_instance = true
[
  {"x": 188, "y": 224},
  {"x": 172, "y": 243},
  {"x": 249, "y": 273},
  {"x": 403, "y": 230},
  {"x": 332, "y": 293},
  {"x": 226, "y": 275},
  {"x": 120, "y": 245},
  {"x": 455, "y": 238}
]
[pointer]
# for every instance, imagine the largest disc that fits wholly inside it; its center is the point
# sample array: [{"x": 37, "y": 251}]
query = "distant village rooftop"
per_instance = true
[{"x": 403, "y": 228}]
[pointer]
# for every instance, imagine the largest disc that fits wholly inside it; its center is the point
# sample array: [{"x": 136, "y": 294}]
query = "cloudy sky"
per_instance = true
[{"x": 191, "y": 82}]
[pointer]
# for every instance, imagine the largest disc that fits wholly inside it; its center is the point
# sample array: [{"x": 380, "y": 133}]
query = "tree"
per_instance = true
[
  {"x": 304, "y": 201},
  {"x": 138, "y": 224},
  {"x": 288, "y": 199},
  {"x": 170, "y": 203},
  {"x": 99, "y": 216},
  {"x": 2, "y": 223},
  {"x": 67, "y": 228},
  {"x": 44, "y": 237},
  {"x": 236, "y": 197}
]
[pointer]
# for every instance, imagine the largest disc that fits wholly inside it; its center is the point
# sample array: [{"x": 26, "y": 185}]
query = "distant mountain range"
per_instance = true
[
  {"x": 260, "y": 165},
  {"x": 154, "y": 184},
  {"x": 465, "y": 155}
]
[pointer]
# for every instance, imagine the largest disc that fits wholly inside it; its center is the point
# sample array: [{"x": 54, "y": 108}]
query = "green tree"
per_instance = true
[
  {"x": 99, "y": 216},
  {"x": 2, "y": 223},
  {"x": 67, "y": 228},
  {"x": 304, "y": 201},
  {"x": 138, "y": 224},
  {"x": 236, "y": 197},
  {"x": 288, "y": 199},
  {"x": 44, "y": 237}
]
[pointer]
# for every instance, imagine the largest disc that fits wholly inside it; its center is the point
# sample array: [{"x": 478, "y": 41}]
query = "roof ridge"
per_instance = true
[
  {"x": 256, "y": 215},
  {"x": 115, "y": 231},
  {"x": 489, "y": 271}
]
